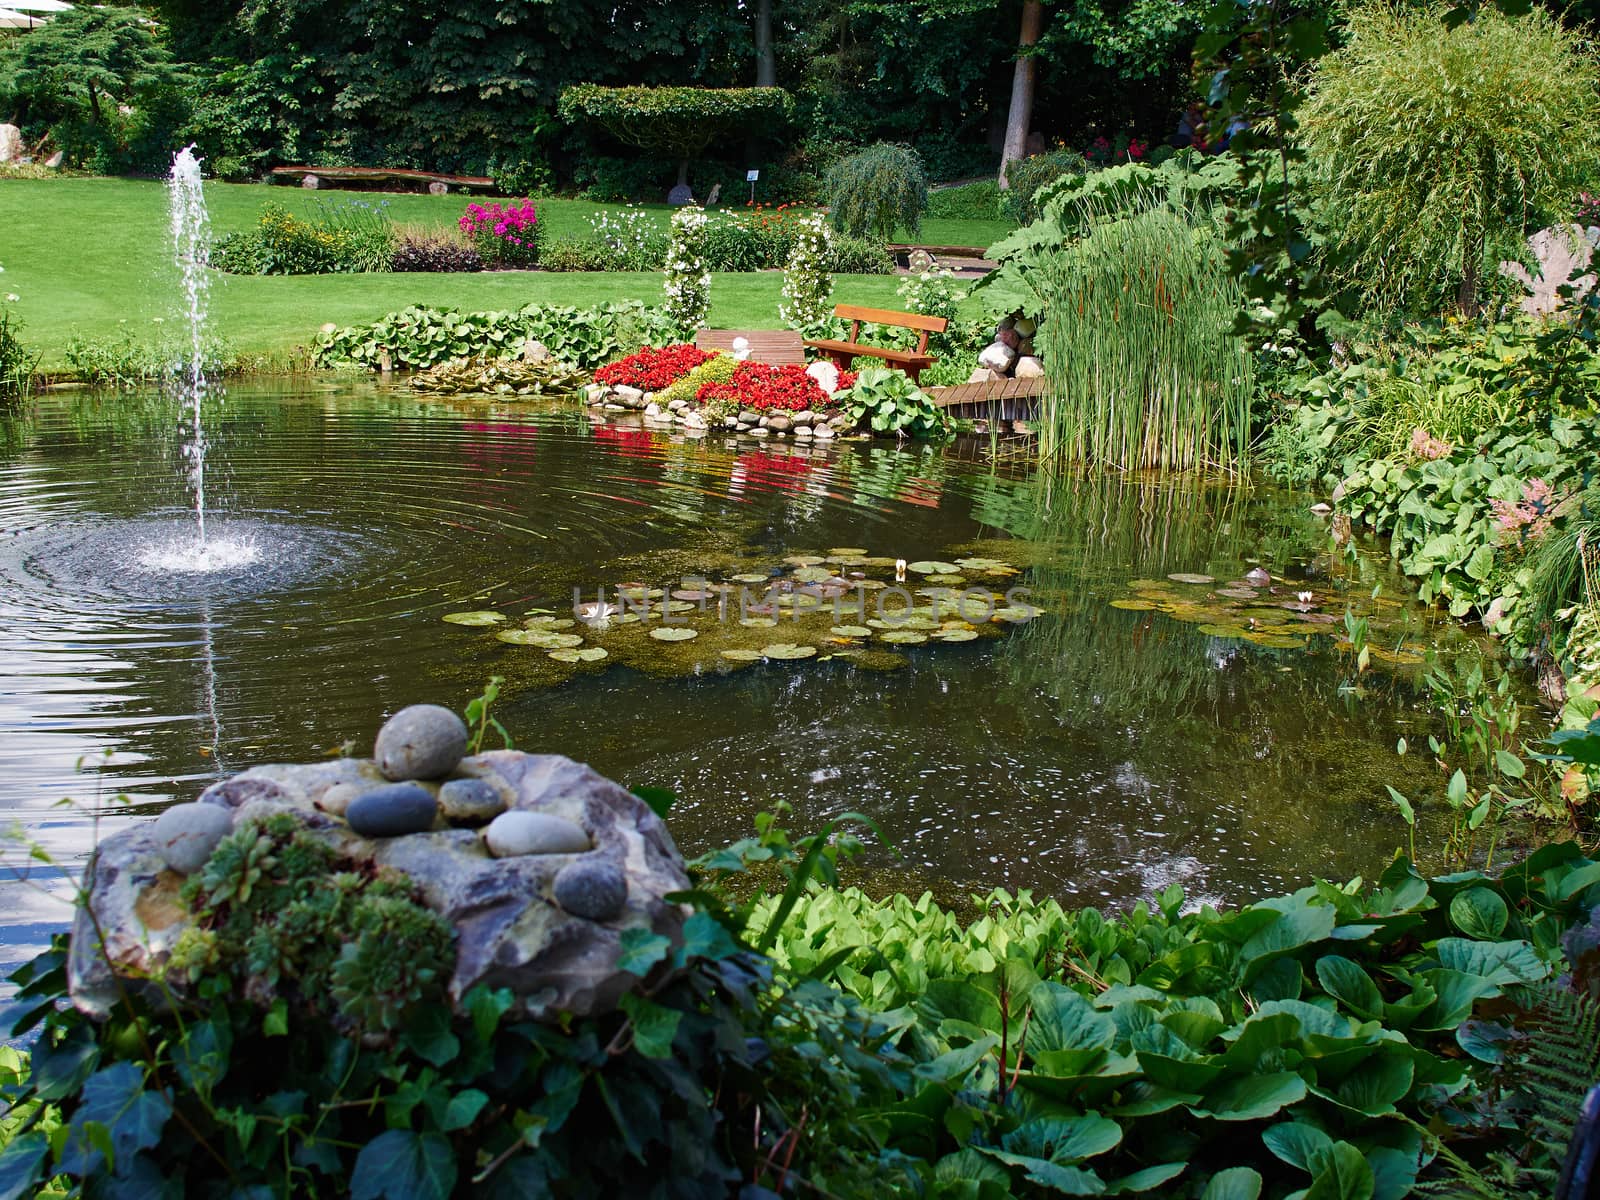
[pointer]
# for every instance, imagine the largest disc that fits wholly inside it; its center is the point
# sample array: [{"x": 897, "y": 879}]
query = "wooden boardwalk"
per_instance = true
[
  {"x": 776, "y": 347},
  {"x": 1002, "y": 399}
]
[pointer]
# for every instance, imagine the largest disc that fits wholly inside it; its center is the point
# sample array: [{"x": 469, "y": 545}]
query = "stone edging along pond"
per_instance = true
[{"x": 684, "y": 414}]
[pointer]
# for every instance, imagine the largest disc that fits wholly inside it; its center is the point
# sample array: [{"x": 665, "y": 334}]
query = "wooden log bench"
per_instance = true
[
  {"x": 373, "y": 177},
  {"x": 912, "y": 362}
]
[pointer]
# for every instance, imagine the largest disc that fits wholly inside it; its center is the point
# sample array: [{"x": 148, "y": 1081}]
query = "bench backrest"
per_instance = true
[{"x": 856, "y": 314}]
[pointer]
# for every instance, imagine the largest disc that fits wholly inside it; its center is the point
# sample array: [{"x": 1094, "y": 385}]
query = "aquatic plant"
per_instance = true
[{"x": 1146, "y": 370}]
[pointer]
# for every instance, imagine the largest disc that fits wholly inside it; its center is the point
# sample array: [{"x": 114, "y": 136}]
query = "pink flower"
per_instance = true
[{"x": 1425, "y": 446}]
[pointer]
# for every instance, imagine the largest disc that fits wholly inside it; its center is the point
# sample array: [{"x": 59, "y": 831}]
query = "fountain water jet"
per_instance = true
[{"x": 191, "y": 226}]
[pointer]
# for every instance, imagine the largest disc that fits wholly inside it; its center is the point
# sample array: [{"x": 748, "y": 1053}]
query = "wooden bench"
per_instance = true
[
  {"x": 911, "y": 362},
  {"x": 377, "y": 176}
]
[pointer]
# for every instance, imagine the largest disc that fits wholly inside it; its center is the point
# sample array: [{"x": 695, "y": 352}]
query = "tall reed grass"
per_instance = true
[{"x": 1145, "y": 369}]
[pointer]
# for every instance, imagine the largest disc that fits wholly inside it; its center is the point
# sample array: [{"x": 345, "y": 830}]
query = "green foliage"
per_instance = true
[
  {"x": 878, "y": 190},
  {"x": 417, "y": 337},
  {"x": 127, "y": 362},
  {"x": 1146, "y": 369},
  {"x": 1431, "y": 138},
  {"x": 1020, "y": 201},
  {"x": 681, "y": 121},
  {"x": 16, "y": 360},
  {"x": 858, "y": 256},
  {"x": 719, "y": 368},
  {"x": 1276, "y": 1043},
  {"x": 97, "y": 56},
  {"x": 479, "y": 719},
  {"x": 352, "y": 236},
  {"x": 280, "y": 918},
  {"x": 888, "y": 401},
  {"x": 687, "y": 277},
  {"x": 979, "y": 201},
  {"x": 807, "y": 281}
]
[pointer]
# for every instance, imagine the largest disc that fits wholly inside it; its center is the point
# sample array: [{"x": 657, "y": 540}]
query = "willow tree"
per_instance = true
[
  {"x": 679, "y": 122},
  {"x": 1433, "y": 141}
]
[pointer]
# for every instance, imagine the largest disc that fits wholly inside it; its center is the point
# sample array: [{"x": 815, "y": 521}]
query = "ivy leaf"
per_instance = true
[
  {"x": 22, "y": 1165},
  {"x": 654, "y": 1026},
  {"x": 641, "y": 950},
  {"x": 705, "y": 937},
  {"x": 486, "y": 1006},
  {"x": 428, "y": 1034},
  {"x": 463, "y": 1109},
  {"x": 115, "y": 1100},
  {"x": 401, "y": 1165}
]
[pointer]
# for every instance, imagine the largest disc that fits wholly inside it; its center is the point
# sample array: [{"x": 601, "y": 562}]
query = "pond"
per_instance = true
[{"x": 1097, "y": 752}]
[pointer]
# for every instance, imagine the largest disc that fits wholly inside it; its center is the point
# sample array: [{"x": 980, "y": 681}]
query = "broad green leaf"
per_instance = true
[
  {"x": 1345, "y": 1175},
  {"x": 463, "y": 1109},
  {"x": 1236, "y": 1183},
  {"x": 1064, "y": 1141},
  {"x": 1252, "y": 1097},
  {"x": 1298, "y": 1144},
  {"x": 704, "y": 937},
  {"x": 486, "y": 1006},
  {"x": 1393, "y": 1173},
  {"x": 954, "y": 1065},
  {"x": 1299, "y": 923},
  {"x": 22, "y": 1165},
  {"x": 401, "y": 1165},
  {"x": 1147, "y": 1180},
  {"x": 1348, "y": 983},
  {"x": 1375, "y": 1086},
  {"x": 1456, "y": 992},
  {"x": 1064, "y": 1021},
  {"x": 1068, "y": 1181},
  {"x": 1479, "y": 913},
  {"x": 428, "y": 1034},
  {"x": 1499, "y": 962}
]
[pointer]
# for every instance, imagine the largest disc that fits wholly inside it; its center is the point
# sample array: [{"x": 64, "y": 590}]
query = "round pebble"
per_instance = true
[
  {"x": 519, "y": 832},
  {"x": 592, "y": 888},
  {"x": 188, "y": 833},
  {"x": 338, "y": 798},
  {"x": 423, "y": 741},
  {"x": 470, "y": 802},
  {"x": 392, "y": 811}
]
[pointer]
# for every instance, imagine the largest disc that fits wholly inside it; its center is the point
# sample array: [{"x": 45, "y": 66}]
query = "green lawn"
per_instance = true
[{"x": 90, "y": 257}]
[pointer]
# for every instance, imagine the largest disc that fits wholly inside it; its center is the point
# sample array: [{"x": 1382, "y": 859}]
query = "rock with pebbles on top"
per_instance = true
[
  {"x": 513, "y": 834},
  {"x": 392, "y": 811}
]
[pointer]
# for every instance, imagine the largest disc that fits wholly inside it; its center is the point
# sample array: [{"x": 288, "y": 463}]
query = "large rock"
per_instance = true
[
  {"x": 513, "y": 926},
  {"x": 1028, "y": 367},
  {"x": 10, "y": 143},
  {"x": 680, "y": 195},
  {"x": 421, "y": 741},
  {"x": 1562, "y": 255},
  {"x": 997, "y": 357}
]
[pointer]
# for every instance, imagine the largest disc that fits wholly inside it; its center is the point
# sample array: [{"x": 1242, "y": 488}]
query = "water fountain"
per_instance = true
[{"x": 191, "y": 226}]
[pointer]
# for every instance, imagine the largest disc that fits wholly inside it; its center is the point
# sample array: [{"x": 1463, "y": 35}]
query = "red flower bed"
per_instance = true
[
  {"x": 760, "y": 386},
  {"x": 650, "y": 369}
]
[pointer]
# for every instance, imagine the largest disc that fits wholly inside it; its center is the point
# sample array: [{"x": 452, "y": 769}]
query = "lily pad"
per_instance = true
[
  {"x": 1238, "y": 593},
  {"x": 854, "y": 631},
  {"x": 983, "y": 564},
  {"x": 788, "y": 650},
  {"x": 759, "y": 623},
  {"x": 919, "y": 622},
  {"x": 742, "y": 655},
  {"x": 813, "y": 575},
  {"x": 691, "y": 594},
  {"x": 1136, "y": 605},
  {"x": 905, "y": 637},
  {"x": 544, "y": 639},
  {"x": 542, "y": 622},
  {"x": 673, "y": 633},
  {"x": 947, "y": 580},
  {"x": 1185, "y": 577},
  {"x": 955, "y": 635},
  {"x": 641, "y": 593},
  {"x": 933, "y": 567},
  {"x": 847, "y": 551},
  {"x": 805, "y": 560},
  {"x": 750, "y": 577},
  {"x": 585, "y": 654},
  {"x": 1223, "y": 631},
  {"x": 676, "y": 606},
  {"x": 1015, "y": 614},
  {"x": 478, "y": 617}
]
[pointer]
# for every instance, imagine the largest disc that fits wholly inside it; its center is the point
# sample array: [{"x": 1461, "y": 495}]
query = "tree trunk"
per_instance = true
[
  {"x": 1022, "y": 81},
  {"x": 94, "y": 103},
  {"x": 683, "y": 172},
  {"x": 766, "y": 59}
]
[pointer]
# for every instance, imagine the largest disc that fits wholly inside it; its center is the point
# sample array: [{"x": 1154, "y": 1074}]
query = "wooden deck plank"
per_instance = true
[
  {"x": 1007, "y": 399},
  {"x": 775, "y": 347}
]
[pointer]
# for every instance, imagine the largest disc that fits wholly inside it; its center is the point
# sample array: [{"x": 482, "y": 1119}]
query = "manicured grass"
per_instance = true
[{"x": 90, "y": 257}]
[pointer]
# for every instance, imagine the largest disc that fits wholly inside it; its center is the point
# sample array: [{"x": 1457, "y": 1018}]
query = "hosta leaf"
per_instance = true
[
  {"x": 1298, "y": 1144},
  {"x": 1064, "y": 1141},
  {"x": 1068, "y": 1181},
  {"x": 1479, "y": 913},
  {"x": 1348, "y": 983},
  {"x": 1236, "y": 1183},
  {"x": 1498, "y": 962},
  {"x": 1252, "y": 1097},
  {"x": 1345, "y": 1175}
]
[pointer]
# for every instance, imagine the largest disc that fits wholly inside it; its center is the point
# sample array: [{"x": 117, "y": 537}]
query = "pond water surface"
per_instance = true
[{"x": 1095, "y": 753}]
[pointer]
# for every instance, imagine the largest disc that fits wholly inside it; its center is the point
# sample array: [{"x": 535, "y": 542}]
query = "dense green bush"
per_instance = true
[
  {"x": 888, "y": 401},
  {"x": 1431, "y": 138},
  {"x": 418, "y": 337},
  {"x": 877, "y": 190},
  {"x": 970, "y": 201},
  {"x": 351, "y": 237},
  {"x": 16, "y": 360},
  {"x": 1025, "y": 178}
]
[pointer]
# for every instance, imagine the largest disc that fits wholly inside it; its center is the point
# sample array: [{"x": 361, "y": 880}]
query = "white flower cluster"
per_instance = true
[
  {"x": 688, "y": 281},
  {"x": 631, "y": 237},
  {"x": 807, "y": 282}
]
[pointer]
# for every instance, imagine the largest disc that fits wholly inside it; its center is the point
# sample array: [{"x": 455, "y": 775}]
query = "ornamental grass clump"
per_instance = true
[
  {"x": 807, "y": 280},
  {"x": 878, "y": 190},
  {"x": 1146, "y": 370},
  {"x": 1433, "y": 143},
  {"x": 688, "y": 281}
]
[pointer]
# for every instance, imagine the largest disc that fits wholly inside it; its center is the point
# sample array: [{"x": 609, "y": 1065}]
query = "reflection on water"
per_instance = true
[{"x": 1096, "y": 753}]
